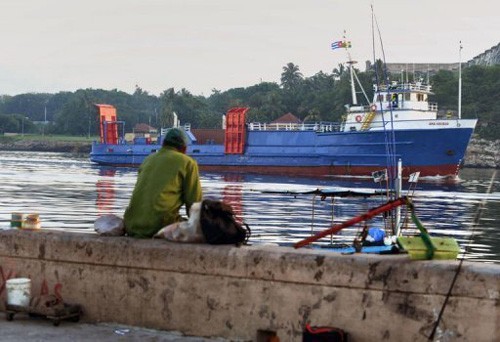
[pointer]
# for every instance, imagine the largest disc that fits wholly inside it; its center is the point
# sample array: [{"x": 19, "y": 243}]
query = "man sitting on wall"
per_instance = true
[{"x": 166, "y": 180}]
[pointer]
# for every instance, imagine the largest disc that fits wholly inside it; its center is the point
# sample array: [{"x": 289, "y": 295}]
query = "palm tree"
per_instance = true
[
  {"x": 291, "y": 76},
  {"x": 338, "y": 72}
]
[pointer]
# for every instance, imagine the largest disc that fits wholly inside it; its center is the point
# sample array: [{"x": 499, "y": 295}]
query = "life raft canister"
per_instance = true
[{"x": 359, "y": 118}]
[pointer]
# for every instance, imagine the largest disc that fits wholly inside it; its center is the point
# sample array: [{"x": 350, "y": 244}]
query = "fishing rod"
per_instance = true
[
  {"x": 475, "y": 222},
  {"x": 364, "y": 217},
  {"x": 390, "y": 137}
]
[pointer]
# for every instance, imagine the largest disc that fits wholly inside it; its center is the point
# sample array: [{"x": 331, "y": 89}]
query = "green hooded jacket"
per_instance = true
[{"x": 166, "y": 180}]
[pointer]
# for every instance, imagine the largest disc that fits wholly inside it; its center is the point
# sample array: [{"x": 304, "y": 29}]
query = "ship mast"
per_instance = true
[
  {"x": 351, "y": 63},
  {"x": 460, "y": 81},
  {"x": 353, "y": 74}
]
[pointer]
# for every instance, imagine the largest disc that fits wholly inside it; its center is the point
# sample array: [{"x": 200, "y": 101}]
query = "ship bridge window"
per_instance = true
[
  {"x": 380, "y": 98},
  {"x": 420, "y": 97},
  {"x": 407, "y": 96}
]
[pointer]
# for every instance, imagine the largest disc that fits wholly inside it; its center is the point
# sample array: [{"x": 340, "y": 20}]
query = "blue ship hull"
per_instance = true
[{"x": 433, "y": 152}]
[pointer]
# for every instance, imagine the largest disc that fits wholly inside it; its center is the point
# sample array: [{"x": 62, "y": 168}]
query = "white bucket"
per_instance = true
[{"x": 18, "y": 291}]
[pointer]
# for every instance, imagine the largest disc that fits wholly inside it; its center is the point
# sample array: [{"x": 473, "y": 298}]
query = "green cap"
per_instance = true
[{"x": 175, "y": 137}]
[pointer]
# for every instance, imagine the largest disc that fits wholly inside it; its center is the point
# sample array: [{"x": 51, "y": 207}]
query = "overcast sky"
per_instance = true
[{"x": 200, "y": 45}]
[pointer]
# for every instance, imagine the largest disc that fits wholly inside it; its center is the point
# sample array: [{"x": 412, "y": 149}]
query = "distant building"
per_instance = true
[
  {"x": 287, "y": 118},
  {"x": 142, "y": 133},
  {"x": 142, "y": 128},
  {"x": 421, "y": 68},
  {"x": 287, "y": 121},
  {"x": 487, "y": 58}
]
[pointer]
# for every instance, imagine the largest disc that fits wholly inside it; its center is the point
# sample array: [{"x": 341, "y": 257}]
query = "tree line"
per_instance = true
[{"x": 321, "y": 97}]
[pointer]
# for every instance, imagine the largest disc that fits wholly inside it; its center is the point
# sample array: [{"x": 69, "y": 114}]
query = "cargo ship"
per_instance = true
[{"x": 399, "y": 124}]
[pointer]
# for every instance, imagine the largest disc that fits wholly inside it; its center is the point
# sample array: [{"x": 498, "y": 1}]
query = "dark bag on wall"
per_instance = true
[
  {"x": 323, "y": 334},
  {"x": 219, "y": 225}
]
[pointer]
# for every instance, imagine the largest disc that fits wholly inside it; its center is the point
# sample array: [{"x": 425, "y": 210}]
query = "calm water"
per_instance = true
[{"x": 69, "y": 193}]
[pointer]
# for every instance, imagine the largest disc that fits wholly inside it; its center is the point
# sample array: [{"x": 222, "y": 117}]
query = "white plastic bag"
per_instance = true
[
  {"x": 185, "y": 231},
  {"x": 109, "y": 225}
]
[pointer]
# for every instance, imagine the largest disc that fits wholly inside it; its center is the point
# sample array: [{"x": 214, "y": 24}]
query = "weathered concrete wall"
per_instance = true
[{"x": 233, "y": 292}]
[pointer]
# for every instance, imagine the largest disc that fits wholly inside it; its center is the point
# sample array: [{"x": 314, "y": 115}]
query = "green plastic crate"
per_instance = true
[{"x": 444, "y": 248}]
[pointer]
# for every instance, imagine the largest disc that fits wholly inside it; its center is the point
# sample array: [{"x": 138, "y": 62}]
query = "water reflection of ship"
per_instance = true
[
  {"x": 232, "y": 193},
  {"x": 105, "y": 191}
]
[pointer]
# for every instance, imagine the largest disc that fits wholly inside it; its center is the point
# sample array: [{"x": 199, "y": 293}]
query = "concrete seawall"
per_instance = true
[{"x": 233, "y": 293}]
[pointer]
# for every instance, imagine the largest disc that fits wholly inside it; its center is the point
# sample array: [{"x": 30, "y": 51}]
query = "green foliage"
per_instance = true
[
  {"x": 321, "y": 97},
  {"x": 16, "y": 123},
  {"x": 480, "y": 98},
  {"x": 9, "y": 123},
  {"x": 188, "y": 108},
  {"x": 31, "y": 105}
]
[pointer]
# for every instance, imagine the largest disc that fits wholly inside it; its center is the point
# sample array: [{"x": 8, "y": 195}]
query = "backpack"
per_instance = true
[{"x": 219, "y": 226}]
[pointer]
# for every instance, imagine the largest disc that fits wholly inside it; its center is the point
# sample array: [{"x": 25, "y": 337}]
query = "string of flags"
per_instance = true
[{"x": 341, "y": 44}]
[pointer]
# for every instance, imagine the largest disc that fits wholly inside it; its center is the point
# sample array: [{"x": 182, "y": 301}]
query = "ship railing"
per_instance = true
[
  {"x": 316, "y": 127},
  {"x": 163, "y": 131},
  {"x": 417, "y": 86},
  {"x": 328, "y": 127},
  {"x": 186, "y": 127}
]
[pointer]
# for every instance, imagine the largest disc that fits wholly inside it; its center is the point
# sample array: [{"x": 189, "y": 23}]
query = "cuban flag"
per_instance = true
[{"x": 341, "y": 44}]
